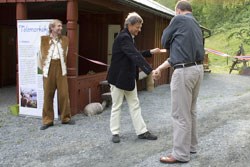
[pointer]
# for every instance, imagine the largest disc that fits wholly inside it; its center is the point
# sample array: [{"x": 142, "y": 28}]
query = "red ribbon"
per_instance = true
[
  {"x": 93, "y": 61},
  {"x": 216, "y": 52}
]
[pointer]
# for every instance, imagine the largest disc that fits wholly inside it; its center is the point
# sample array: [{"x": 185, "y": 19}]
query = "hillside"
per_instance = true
[
  {"x": 229, "y": 22},
  {"x": 220, "y": 41}
]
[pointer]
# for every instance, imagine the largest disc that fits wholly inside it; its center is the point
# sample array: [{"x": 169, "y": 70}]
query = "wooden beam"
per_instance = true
[{"x": 72, "y": 60}]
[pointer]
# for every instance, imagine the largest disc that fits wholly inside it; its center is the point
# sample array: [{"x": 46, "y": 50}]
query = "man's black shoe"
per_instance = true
[
  {"x": 147, "y": 135},
  {"x": 70, "y": 122},
  {"x": 116, "y": 139},
  {"x": 46, "y": 126}
]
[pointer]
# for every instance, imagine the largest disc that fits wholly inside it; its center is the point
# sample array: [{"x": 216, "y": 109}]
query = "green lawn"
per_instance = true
[{"x": 220, "y": 42}]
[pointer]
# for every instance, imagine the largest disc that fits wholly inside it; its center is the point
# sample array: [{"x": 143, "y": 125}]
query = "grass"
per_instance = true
[
  {"x": 218, "y": 64},
  {"x": 220, "y": 42}
]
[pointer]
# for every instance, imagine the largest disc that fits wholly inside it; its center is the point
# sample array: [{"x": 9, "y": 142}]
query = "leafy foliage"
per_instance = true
[
  {"x": 229, "y": 21},
  {"x": 243, "y": 34}
]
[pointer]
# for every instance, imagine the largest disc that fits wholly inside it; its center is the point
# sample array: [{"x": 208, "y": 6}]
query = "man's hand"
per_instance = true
[
  {"x": 155, "y": 50},
  {"x": 156, "y": 74}
]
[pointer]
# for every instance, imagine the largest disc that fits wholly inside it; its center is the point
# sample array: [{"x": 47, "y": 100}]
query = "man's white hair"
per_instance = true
[
  {"x": 53, "y": 23},
  {"x": 132, "y": 19}
]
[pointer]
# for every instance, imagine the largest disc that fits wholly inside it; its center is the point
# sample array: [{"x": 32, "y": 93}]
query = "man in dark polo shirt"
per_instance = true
[{"x": 183, "y": 38}]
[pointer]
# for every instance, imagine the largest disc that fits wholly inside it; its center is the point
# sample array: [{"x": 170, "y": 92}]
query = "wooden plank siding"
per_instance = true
[
  {"x": 93, "y": 40},
  {"x": 88, "y": 89},
  {"x": 24, "y": 1},
  {"x": 160, "y": 25}
]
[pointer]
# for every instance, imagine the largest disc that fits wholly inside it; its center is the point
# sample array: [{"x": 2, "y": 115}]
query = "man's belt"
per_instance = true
[{"x": 183, "y": 65}]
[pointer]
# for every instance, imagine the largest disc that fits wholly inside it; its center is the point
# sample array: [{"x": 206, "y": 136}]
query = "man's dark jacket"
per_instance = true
[{"x": 125, "y": 59}]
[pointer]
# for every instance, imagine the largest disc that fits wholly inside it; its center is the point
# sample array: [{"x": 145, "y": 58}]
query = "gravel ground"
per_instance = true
[{"x": 223, "y": 129}]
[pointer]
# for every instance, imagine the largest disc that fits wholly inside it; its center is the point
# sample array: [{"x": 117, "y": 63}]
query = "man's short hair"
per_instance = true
[
  {"x": 132, "y": 19},
  {"x": 53, "y": 23},
  {"x": 184, "y": 6}
]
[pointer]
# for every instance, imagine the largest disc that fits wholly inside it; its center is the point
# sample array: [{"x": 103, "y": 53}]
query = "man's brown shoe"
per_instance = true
[
  {"x": 46, "y": 126},
  {"x": 70, "y": 122},
  {"x": 170, "y": 160}
]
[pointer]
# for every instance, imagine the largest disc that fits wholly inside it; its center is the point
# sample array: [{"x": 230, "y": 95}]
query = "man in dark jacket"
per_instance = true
[{"x": 122, "y": 76}]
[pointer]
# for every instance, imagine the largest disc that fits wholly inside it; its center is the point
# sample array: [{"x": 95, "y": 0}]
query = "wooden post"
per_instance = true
[
  {"x": 21, "y": 14},
  {"x": 72, "y": 61},
  {"x": 206, "y": 63}
]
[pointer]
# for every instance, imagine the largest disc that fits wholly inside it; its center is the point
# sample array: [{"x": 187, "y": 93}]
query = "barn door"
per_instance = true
[
  {"x": 8, "y": 58},
  {"x": 113, "y": 30}
]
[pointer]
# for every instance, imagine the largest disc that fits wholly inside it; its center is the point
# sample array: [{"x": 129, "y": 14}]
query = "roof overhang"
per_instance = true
[
  {"x": 146, "y": 5},
  {"x": 150, "y": 6},
  {"x": 158, "y": 9}
]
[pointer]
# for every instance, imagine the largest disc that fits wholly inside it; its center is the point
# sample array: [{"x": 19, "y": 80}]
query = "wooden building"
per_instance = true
[{"x": 91, "y": 26}]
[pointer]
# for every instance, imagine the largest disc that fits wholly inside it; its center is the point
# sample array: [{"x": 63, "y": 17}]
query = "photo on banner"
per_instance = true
[{"x": 30, "y": 75}]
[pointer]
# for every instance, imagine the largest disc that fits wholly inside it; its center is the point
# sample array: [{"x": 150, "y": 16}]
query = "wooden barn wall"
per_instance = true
[
  {"x": 36, "y": 11},
  {"x": 93, "y": 40},
  {"x": 145, "y": 39},
  {"x": 8, "y": 14},
  {"x": 160, "y": 25},
  {"x": 89, "y": 89},
  {"x": 7, "y": 44}
]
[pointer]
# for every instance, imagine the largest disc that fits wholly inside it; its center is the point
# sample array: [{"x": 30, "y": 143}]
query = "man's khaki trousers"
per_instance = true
[
  {"x": 185, "y": 86},
  {"x": 55, "y": 81}
]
